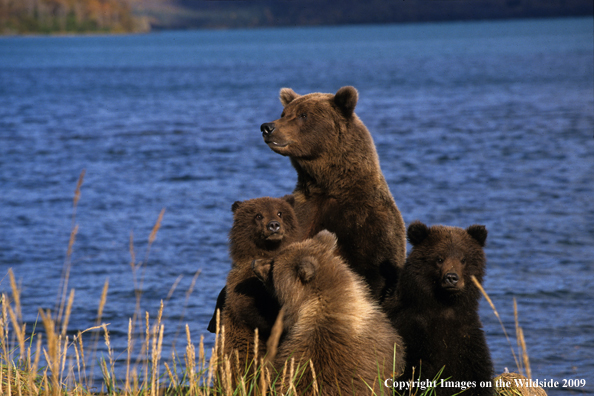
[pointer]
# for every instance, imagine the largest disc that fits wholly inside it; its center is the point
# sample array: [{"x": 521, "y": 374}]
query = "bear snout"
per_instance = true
[
  {"x": 273, "y": 226},
  {"x": 450, "y": 280},
  {"x": 277, "y": 141},
  {"x": 267, "y": 128}
]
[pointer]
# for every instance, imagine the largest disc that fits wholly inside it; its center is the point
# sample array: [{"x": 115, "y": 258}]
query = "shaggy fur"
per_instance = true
[
  {"x": 340, "y": 186},
  {"x": 436, "y": 309},
  {"x": 261, "y": 227},
  {"x": 330, "y": 319}
]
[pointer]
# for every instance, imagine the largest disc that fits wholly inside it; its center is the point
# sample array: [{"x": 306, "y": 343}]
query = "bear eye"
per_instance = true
[
  {"x": 303, "y": 115},
  {"x": 440, "y": 260},
  {"x": 280, "y": 214},
  {"x": 463, "y": 261},
  {"x": 259, "y": 216}
]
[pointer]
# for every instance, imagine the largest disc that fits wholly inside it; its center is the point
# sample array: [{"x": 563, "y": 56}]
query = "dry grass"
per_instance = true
[
  {"x": 516, "y": 386},
  {"x": 523, "y": 364},
  {"x": 65, "y": 360},
  {"x": 58, "y": 364}
]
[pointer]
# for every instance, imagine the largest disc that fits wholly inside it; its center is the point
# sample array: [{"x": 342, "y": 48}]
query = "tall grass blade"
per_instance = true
[{"x": 480, "y": 287}]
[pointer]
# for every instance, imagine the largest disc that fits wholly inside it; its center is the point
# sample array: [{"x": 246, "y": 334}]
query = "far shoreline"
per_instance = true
[{"x": 262, "y": 27}]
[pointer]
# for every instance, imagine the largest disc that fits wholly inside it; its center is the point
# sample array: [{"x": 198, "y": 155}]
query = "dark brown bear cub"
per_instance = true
[
  {"x": 330, "y": 319},
  {"x": 436, "y": 309},
  {"x": 261, "y": 227},
  {"x": 340, "y": 186}
]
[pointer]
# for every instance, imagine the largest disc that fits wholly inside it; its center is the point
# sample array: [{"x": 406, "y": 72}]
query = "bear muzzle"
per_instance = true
[
  {"x": 267, "y": 129},
  {"x": 273, "y": 226},
  {"x": 274, "y": 232},
  {"x": 451, "y": 282},
  {"x": 274, "y": 141}
]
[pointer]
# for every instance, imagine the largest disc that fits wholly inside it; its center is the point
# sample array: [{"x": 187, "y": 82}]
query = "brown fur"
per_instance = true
[
  {"x": 248, "y": 305},
  {"x": 436, "y": 309},
  {"x": 340, "y": 186},
  {"x": 330, "y": 319}
]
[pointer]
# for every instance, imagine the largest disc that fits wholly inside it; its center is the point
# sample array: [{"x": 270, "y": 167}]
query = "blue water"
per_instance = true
[{"x": 479, "y": 122}]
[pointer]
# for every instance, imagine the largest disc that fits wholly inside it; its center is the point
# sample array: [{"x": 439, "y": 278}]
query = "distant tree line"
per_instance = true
[
  {"x": 74, "y": 16},
  {"x": 222, "y": 14},
  {"x": 68, "y": 16}
]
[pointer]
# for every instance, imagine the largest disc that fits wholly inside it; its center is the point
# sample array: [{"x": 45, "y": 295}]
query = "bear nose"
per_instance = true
[
  {"x": 451, "y": 279},
  {"x": 273, "y": 226},
  {"x": 267, "y": 128}
]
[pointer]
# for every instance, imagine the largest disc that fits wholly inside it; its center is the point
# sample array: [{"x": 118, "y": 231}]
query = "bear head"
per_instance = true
[
  {"x": 262, "y": 224},
  {"x": 444, "y": 258},
  {"x": 294, "y": 275},
  {"x": 310, "y": 124}
]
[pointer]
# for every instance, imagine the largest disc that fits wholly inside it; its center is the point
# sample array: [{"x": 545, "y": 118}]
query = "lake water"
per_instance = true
[{"x": 478, "y": 122}]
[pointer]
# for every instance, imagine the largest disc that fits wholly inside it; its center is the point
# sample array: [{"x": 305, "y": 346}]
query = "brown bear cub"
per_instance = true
[
  {"x": 261, "y": 227},
  {"x": 330, "y": 319},
  {"x": 436, "y": 309},
  {"x": 340, "y": 186}
]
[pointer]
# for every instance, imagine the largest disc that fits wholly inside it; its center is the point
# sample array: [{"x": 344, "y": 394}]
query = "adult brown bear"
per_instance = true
[{"x": 340, "y": 186}]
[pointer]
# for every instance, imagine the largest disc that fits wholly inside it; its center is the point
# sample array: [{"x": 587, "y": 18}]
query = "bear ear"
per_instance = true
[
  {"x": 346, "y": 100},
  {"x": 235, "y": 206},
  {"x": 306, "y": 269},
  {"x": 290, "y": 198},
  {"x": 326, "y": 238},
  {"x": 417, "y": 232},
  {"x": 261, "y": 268},
  {"x": 287, "y": 95},
  {"x": 478, "y": 232}
]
